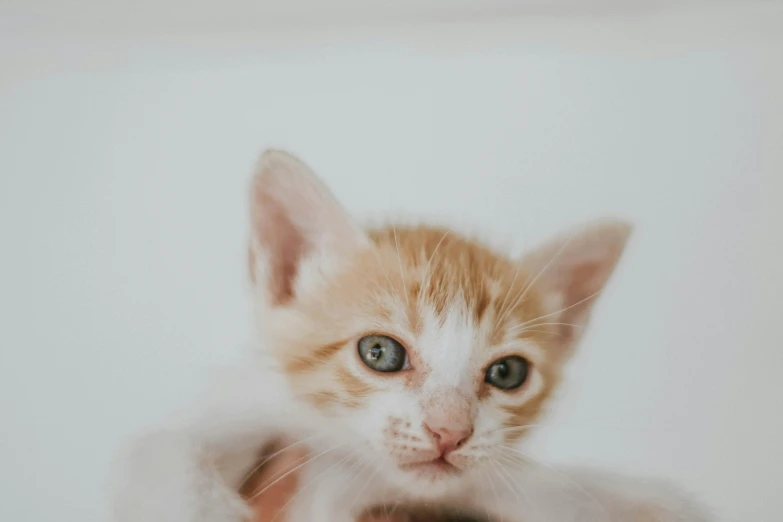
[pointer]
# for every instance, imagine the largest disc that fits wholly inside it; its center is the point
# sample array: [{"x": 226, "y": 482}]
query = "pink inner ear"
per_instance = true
[
  {"x": 283, "y": 242},
  {"x": 584, "y": 280},
  {"x": 580, "y": 285}
]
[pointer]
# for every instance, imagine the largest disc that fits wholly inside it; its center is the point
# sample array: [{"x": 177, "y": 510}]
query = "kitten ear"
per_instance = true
[
  {"x": 571, "y": 271},
  {"x": 299, "y": 231}
]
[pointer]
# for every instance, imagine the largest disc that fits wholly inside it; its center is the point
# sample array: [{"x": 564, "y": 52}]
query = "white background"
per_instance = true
[{"x": 126, "y": 149}]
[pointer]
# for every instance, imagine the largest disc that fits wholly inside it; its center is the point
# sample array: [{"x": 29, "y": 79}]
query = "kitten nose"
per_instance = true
[{"x": 448, "y": 438}]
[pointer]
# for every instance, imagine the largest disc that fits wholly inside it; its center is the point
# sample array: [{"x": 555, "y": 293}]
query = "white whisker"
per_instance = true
[
  {"x": 522, "y": 427},
  {"x": 497, "y": 468},
  {"x": 366, "y": 464},
  {"x": 284, "y": 475},
  {"x": 528, "y": 460},
  {"x": 502, "y": 311},
  {"x": 486, "y": 509},
  {"x": 521, "y": 490},
  {"x": 521, "y": 327},
  {"x": 324, "y": 472},
  {"x": 253, "y": 471},
  {"x": 366, "y": 483},
  {"x": 391, "y": 291},
  {"x": 426, "y": 277},
  {"x": 591, "y": 296},
  {"x": 527, "y": 330},
  {"x": 399, "y": 260},
  {"x": 495, "y": 491},
  {"x": 606, "y": 421},
  {"x": 527, "y": 286}
]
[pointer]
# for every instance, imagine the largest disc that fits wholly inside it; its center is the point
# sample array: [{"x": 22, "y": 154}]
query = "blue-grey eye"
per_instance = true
[
  {"x": 507, "y": 373},
  {"x": 382, "y": 354}
]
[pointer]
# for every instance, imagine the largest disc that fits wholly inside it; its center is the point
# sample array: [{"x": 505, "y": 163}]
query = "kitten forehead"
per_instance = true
[
  {"x": 446, "y": 345},
  {"x": 454, "y": 278}
]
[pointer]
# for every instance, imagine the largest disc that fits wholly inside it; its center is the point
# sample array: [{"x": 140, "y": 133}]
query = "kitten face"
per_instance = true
[{"x": 429, "y": 352}]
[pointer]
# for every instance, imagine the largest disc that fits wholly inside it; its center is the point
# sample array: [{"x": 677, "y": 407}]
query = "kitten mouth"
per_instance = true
[{"x": 432, "y": 467}]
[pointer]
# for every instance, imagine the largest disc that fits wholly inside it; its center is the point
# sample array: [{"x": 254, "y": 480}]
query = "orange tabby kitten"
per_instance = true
[{"x": 410, "y": 360}]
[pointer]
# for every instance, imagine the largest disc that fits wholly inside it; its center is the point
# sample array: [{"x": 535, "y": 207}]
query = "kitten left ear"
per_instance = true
[
  {"x": 570, "y": 272},
  {"x": 299, "y": 231}
]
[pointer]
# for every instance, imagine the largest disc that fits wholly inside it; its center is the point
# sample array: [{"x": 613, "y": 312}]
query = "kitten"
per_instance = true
[{"x": 411, "y": 360}]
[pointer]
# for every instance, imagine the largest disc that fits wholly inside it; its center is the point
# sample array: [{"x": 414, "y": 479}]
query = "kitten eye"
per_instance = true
[
  {"x": 507, "y": 373},
  {"x": 382, "y": 354}
]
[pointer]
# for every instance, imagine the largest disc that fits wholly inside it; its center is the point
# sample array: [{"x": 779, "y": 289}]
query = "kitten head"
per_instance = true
[{"x": 427, "y": 350}]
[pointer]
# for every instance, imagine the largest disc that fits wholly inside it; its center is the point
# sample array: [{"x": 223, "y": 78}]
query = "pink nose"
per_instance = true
[{"x": 448, "y": 438}]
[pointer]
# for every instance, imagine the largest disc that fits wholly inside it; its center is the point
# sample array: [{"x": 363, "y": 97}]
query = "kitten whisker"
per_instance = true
[
  {"x": 502, "y": 308},
  {"x": 527, "y": 286},
  {"x": 522, "y": 427},
  {"x": 399, "y": 260},
  {"x": 494, "y": 490},
  {"x": 366, "y": 464},
  {"x": 366, "y": 483},
  {"x": 515, "y": 461},
  {"x": 534, "y": 330},
  {"x": 486, "y": 509},
  {"x": 315, "y": 479},
  {"x": 522, "y": 328},
  {"x": 391, "y": 291},
  {"x": 515, "y": 302},
  {"x": 261, "y": 464},
  {"x": 591, "y": 296},
  {"x": 523, "y": 289},
  {"x": 551, "y": 424},
  {"x": 281, "y": 477},
  {"x": 521, "y": 490},
  {"x": 526, "y": 459},
  {"x": 427, "y": 277},
  {"x": 497, "y": 469},
  {"x": 383, "y": 500}
]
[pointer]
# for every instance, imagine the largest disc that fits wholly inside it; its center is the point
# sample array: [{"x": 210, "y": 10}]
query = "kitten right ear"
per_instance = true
[
  {"x": 298, "y": 228},
  {"x": 571, "y": 270}
]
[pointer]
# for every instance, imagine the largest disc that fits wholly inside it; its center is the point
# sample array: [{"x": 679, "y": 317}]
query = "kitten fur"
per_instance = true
[{"x": 321, "y": 283}]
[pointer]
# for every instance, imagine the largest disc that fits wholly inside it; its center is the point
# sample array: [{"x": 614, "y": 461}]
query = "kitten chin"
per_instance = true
[{"x": 430, "y": 488}]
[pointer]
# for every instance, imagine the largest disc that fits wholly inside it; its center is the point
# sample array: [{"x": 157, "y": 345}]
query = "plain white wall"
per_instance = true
[{"x": 124, "y": 164}]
